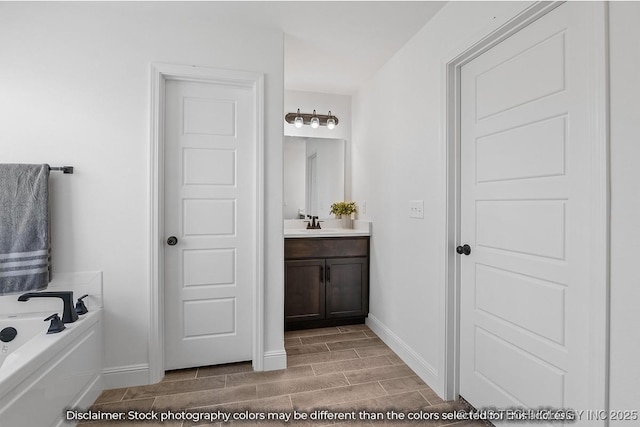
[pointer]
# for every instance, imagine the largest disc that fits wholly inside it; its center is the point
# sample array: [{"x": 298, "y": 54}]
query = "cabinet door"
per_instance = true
[
  {"x": 304, "y": 297},
  {"x": 347, "y": 287}
]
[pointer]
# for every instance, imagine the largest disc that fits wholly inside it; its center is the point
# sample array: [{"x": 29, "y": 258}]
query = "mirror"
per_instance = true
[{"x": 313, "y": 176}]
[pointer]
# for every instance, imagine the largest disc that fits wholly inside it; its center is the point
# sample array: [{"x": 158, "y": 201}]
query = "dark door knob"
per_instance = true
[
  {"x": 464, "y": 249},
  {"x": 172, "y": 240}
]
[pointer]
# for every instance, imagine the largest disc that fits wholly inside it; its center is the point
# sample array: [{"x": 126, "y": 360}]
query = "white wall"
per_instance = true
[
  {"x": 625, "y": 206},
  {"x": 397, "y": 157},
  {"x": 74, "y": 85}
]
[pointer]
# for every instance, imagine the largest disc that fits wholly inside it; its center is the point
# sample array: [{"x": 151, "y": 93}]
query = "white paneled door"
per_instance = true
[
  {"x": 210, "y": 223},
  {"x": 525, "y": 213}
]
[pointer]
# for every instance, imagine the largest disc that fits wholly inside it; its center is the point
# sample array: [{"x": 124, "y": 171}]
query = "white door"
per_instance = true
[
  {"x": 525, "y": 212},
  {"x": 210, "y": 207}
]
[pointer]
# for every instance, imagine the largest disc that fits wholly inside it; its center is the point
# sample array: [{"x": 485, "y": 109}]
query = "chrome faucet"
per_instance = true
[
  {"x": 313, "y": 225},
  {"x": 69, "y": 314}
]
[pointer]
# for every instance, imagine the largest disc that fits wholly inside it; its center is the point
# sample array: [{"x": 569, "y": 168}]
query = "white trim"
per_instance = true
[
  {"x": 258, "y": 294},
  {"x": 159, "y": 74},
  {"x": 274, "y": 360},
  {"x": 156, "y": 324},
  {"x": 125, "y": 376},
  {"x": 600, "y": 209},
  {"x": 419, "y": 365},
  {"x": 450, "y": 150}
]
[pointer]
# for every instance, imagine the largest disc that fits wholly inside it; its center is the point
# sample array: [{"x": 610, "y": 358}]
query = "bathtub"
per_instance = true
[{"x": 41, "y": 375}]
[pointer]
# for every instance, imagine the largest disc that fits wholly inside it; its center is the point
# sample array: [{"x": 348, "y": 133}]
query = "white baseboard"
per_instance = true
[
  {"x": 424, "y": 369},
  {"x": 134, "y": 375},
  {"x": 126, "y": 376},
  {"x": 274, "y": 360}
]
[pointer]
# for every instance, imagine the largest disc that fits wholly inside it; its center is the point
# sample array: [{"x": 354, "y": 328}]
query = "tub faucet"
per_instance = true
[{"x": 69, "y": 314}]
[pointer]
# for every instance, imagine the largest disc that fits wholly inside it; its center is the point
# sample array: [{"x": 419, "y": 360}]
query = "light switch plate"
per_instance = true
[{"x": 416, "y": 208}]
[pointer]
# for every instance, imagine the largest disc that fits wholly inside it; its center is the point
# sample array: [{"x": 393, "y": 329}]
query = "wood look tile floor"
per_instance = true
[{"x": 338, "y": 369}]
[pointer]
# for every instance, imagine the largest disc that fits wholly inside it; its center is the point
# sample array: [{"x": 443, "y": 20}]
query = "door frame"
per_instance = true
[
  {"x": 160, "y": 73},
  {"x": 600, "y": 190}
]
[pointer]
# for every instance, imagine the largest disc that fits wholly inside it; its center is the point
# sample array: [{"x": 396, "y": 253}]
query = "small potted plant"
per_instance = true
[{"x": 346, "y": 211}]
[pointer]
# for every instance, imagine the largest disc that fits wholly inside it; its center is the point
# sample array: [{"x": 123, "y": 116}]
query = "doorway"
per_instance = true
[
  {"x": 216, "y": 172},
  {"x": 527, "y": 191}
]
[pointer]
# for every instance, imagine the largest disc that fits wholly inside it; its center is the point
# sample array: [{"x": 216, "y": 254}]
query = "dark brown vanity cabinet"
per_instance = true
[{"x": 326, "y": 281}]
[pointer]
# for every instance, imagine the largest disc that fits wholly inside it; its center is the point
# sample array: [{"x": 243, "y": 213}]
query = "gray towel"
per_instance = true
[{"x": 24, "y": 228}]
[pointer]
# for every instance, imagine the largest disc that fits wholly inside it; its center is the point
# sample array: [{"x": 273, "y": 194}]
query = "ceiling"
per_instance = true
[
  {"x": 335, "y": 46},
  {"x": 329, "y": 46}
]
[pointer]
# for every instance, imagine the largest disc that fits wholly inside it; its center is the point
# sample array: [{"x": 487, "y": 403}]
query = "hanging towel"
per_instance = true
[{"x": 24, "y": 228}]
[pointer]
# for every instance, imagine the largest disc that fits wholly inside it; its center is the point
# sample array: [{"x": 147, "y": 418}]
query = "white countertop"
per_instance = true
[{"x": 297, "y": 229}]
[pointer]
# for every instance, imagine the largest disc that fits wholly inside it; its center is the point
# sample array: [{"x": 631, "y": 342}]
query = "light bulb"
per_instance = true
[
  {"x": 298, "y": 121},
  {"x": 331, "y": 122},
  {"x": 315, "y": 121}
]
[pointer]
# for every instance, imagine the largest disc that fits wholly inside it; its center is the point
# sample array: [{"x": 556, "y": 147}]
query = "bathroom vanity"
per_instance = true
[{"x": 326, "y": 277}]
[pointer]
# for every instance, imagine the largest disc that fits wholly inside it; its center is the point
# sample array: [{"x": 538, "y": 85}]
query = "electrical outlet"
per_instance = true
[
  {"x": 416, "y": 209},
  {"x": 363, "y": 207}
]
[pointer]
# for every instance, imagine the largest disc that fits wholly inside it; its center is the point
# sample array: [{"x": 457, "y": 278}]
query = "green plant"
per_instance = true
[{"x": 343, "y": 208}]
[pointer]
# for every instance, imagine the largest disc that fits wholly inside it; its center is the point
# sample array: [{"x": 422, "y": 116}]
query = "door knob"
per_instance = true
[
  {"x": 465, "y": 249},
  {"x": 172, "y": 241}
]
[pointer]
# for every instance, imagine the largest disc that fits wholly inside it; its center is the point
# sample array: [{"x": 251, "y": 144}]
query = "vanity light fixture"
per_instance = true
[{"x": 314, "y": 120}]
